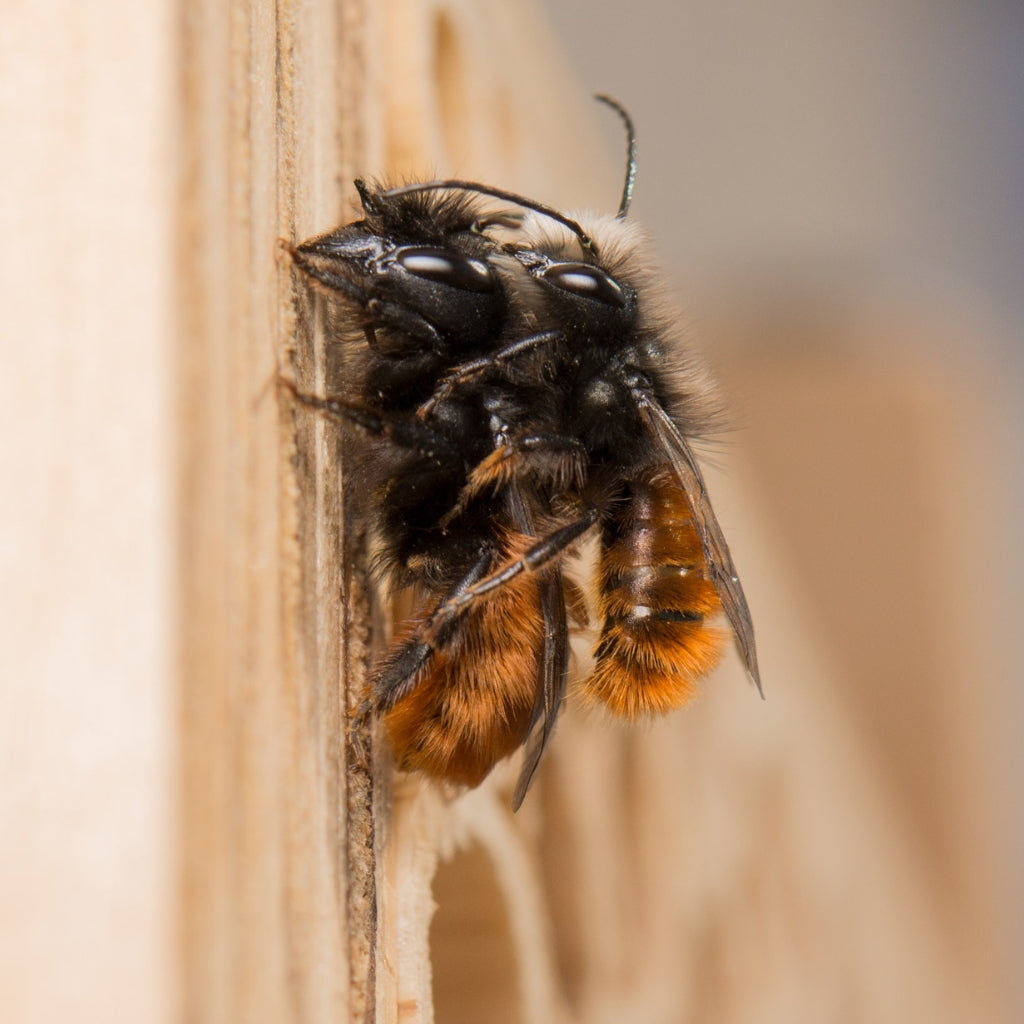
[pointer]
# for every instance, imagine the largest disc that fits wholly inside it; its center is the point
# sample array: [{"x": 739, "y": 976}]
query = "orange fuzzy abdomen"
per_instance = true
[
  {"x": 655, "y": 598},
  {"x": 473, "y": 705}
]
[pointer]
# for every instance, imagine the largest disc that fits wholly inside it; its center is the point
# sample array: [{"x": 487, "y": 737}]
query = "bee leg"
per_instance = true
[
  {"x": 405, "y": 321},
  {"x": 535, "y": 558},
  {"x": 554, "y": 459},
  {"x": 467, "y": 371},
  {"x": 406, "y": 433},
  {"x": 398, "y": 675},
  {"x": 357, "y": 732}
]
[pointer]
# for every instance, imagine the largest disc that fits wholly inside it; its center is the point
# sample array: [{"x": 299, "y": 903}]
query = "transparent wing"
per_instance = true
[
  {"x": 553, "y": 663},
  {"x": 553, "y": 670},
  {"x": 716, "y": 551}
]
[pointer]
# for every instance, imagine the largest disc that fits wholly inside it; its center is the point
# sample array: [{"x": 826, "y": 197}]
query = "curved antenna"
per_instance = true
[
  {"x": 498, "y": 193},
  {"x": 627, "y": 188}
]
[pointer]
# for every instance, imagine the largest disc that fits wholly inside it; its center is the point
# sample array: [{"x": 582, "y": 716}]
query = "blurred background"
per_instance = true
[{"x": 838, "y": 191}]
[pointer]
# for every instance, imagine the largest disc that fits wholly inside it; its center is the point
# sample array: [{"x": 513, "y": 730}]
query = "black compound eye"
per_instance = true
[
  {"x": 585, "y": 281},
  {"x": 447, "y": 267}
]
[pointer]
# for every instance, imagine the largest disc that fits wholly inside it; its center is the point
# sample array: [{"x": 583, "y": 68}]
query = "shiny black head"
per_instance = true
[
  {"x": 417, "y": 264},
  {"x": 581, "y": 297}
]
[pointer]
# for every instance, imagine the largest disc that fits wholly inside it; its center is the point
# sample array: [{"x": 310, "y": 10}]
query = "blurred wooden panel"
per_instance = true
[
  {"x": 87, "y": 612},
  {"x": 875, "y": 455}
]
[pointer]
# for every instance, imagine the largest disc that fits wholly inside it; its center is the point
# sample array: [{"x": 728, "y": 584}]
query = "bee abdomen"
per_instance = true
[
  {"x": 655, "y": 598},
  {"x": 473, "y": 702}
]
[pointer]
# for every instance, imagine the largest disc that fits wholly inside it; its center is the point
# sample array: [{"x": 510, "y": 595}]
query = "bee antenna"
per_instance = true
[
  {"x": 498, "y": 193},
  {"x": 627, "y": 121}
]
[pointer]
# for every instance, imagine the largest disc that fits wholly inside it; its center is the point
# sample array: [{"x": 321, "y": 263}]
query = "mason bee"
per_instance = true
[{"x": 517, "y": 388}]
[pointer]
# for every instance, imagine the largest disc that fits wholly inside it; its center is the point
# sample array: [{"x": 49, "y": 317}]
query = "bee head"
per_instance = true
[
  {"x": 415, "y": 264},
  {"x": 583, "y": 296}
]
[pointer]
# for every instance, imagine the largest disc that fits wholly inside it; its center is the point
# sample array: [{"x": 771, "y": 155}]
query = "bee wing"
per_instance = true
[
  {"x": 553, "y": 667},
  {"x": 716, "y": 550},
  {"x": 552, "y": 674}
]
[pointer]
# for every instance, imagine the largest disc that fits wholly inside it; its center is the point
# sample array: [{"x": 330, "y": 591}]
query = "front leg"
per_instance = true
[
  {"x": 404, "y": 432},
  {"x": 534, "y": 559},
  {"x": 461, "y": 375},
  {"x": 552, "y": 461}
]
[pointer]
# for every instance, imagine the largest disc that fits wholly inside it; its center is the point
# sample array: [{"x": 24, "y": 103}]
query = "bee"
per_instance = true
[{"x": 518, "y": 389}]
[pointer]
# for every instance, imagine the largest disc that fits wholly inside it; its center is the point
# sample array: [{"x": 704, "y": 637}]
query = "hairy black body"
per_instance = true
[{"x": 517, "y": 387}]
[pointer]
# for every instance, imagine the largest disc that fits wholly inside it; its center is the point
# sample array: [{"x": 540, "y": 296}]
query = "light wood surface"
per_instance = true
[{"x": 88, "y": 732}]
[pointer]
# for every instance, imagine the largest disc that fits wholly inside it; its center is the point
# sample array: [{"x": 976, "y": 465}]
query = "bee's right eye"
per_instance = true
[
  {"x": 585, "y": 281},
  {"x": 447, "y": 267}
]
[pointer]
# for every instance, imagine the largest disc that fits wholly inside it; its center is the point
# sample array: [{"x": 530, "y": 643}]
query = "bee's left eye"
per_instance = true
[
  {"x": 447, "y": 267},
  {"x": 585, "y": 281}
]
